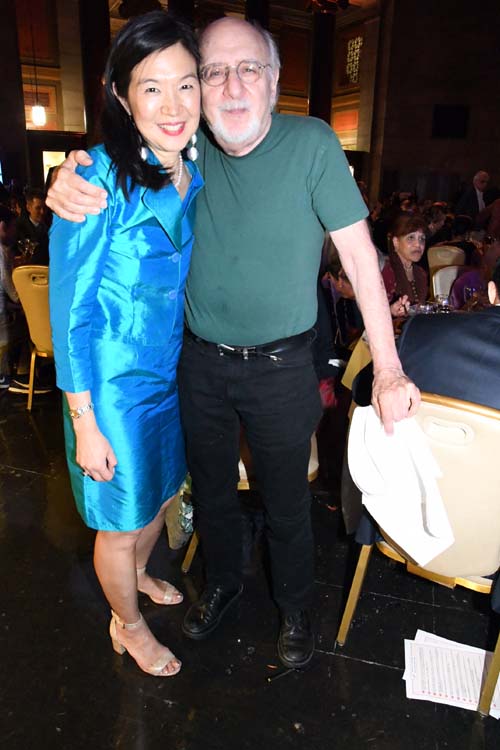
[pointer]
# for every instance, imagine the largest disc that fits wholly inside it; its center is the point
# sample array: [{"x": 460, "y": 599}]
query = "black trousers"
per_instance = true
[{"x": 279, "y": 407}]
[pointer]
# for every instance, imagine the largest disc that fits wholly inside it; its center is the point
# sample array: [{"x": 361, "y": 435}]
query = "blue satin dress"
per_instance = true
[{"x": 117, "y": 305}]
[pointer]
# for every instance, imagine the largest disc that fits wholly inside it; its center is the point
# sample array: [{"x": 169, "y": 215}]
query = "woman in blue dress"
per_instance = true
[{"x": 117, "y": 297}]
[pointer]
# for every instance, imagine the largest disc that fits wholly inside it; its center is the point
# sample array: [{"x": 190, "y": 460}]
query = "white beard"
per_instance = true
[{"x": 227, "y": 135}]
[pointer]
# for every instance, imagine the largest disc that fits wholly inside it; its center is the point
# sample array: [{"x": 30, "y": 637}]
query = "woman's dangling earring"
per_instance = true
[
  {"x": 144, "y": 153},
  {"x": 192, "y": 152}
]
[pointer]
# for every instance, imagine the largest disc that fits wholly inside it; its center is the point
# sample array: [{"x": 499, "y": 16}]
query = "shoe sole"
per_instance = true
[
  {"x": 294, "y": 664},
  {"x": 208, "y": 631}
]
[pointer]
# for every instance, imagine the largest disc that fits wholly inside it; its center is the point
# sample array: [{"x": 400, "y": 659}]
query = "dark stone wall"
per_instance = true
[
  {"x": 442, "y": 53},
  {"x": 13, "y": 143},
  {"x": 95, "y": 40}
]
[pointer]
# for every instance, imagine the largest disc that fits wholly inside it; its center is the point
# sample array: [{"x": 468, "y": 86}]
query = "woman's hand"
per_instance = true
[
  {"x": 93, "y": 451},
  {"x": 400, "y": 308}
]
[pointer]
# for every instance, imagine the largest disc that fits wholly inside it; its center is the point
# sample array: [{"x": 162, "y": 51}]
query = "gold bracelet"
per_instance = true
[{"x": 81, "y": 410}]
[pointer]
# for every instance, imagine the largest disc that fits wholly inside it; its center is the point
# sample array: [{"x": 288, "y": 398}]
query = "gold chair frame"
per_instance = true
[
  {"x": 31, "y": 283},
  {"x": 389, "y": 549}
]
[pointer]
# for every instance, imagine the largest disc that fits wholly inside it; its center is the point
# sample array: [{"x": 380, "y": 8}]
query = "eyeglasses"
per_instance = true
[{"x": 248, "y": 71}]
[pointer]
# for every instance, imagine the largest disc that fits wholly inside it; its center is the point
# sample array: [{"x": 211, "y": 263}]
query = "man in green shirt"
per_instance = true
[{"x": 273, "y": 185}]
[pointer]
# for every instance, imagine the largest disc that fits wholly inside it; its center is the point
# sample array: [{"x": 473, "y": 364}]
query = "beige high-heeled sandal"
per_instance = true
[
  {"x": 155, "y": 669},
  {"x": 171, "y": 595}
]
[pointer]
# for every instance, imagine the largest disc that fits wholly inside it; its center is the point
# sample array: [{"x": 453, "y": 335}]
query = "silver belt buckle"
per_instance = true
[{"x": 222, "y": 347}]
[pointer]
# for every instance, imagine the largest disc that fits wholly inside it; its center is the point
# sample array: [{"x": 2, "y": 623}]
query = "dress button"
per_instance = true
[
  {"x": 175, "y": 257},
  {"x": 172, "y": 294}
]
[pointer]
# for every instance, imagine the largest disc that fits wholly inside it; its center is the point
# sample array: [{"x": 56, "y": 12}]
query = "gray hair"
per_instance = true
[
  {"x": 272, "y": 47},
  {"x": 270, "y": 44},
  {"x": 274, "y": 55},
  {"x": 480, "y": 174}
]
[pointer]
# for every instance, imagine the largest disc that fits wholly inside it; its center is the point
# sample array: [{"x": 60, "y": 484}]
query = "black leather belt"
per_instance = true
[{"x": 272, "y": 350}]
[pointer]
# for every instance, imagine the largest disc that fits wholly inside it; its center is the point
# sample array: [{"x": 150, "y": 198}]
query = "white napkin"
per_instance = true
[{"x": 397, "y": 476}]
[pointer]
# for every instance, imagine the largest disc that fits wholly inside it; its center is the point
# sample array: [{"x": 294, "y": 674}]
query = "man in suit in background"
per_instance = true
[
  {"x": 31, "y": 226},
  {"x": 471, "y": 201}
]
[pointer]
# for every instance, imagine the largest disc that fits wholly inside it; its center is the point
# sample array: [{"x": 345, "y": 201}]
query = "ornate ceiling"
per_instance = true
[
  {"x": 295, "y": 11},
  {"x": 114, "y": 5}
]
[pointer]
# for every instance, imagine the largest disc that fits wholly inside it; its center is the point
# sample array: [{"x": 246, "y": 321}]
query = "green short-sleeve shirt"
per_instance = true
[{"x": 259, "y": 230}]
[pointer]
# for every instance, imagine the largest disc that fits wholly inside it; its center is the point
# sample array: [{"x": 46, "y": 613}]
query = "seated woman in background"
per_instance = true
[
  {"x": 470, "y": 288},
  {"x": 116, "y": 296},
  {"x": 406, "y": 282}
]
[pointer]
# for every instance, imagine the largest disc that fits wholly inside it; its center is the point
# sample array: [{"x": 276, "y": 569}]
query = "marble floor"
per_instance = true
[{"x": 62, "y": 686}]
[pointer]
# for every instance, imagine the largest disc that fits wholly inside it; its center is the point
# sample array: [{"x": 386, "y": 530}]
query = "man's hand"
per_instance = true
[
  {"x": 70, "y": 196},
  {"x": 394, "y": 396}
]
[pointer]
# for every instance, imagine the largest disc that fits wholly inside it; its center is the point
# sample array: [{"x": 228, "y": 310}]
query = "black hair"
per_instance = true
[
  {"x": 15, "y": 198},
  {"x": 6, "y": 215},
  {"x": 4, "y": 195},
  {"x": 406, "y": 223},
  {"x": 140, "y": 37},
  {"x": 433, "y": 214},
  {"x": 462, "y": 224},
  {"x": 334, "y": 265},
  {"x": 31, "y": 193}
]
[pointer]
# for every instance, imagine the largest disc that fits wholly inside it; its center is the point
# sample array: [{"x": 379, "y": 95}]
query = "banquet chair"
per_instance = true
[
  {"x": 439, "y": 256},
  {"x": 247, "y": 482},
  {"x": 443, "y": 279},
  {"x": 32, "y": 286},
  {"x": 463, "y": 439},
  {"x": 359, "y": 358},
  {"x": 444, "y": 255}
]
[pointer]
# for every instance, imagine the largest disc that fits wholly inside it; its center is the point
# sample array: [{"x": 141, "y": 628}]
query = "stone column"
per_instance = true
[
  {"x": 70, "y": 61},
  {"x": 380, "y": 96},
  {"x": 369, "y": 53},
  {"x": 321, "y": 81},
  {"x": 13, "y": 141},
  {"x": 95, "y": 39}
]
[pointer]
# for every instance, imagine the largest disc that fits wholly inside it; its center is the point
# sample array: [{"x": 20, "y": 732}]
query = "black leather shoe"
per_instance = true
[
  {"x": 296, "y": 641},
  {"x": 204, "y": 615}
]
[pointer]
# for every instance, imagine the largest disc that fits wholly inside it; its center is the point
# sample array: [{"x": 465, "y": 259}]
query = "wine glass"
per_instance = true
[{"x": 442, "y": 303}]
